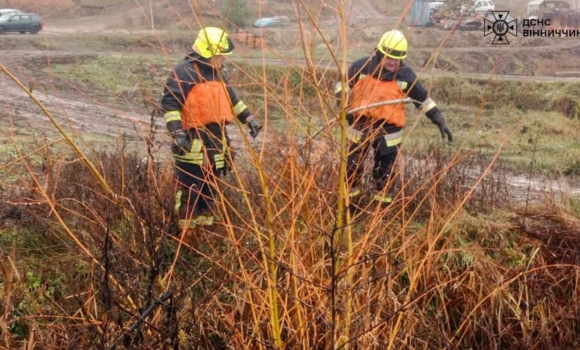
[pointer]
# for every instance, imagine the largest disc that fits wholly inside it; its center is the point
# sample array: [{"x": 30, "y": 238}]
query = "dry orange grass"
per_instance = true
[{"x": 421, "y": 275}]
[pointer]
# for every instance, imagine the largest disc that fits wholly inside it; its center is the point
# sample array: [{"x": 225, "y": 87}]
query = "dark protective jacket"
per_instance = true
[
  {"x": 196, "y": 95},
  {"x": 370, "y": 83}
]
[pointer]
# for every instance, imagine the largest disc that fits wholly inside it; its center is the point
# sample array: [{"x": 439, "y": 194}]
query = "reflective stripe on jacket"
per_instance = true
[
  {"x": 186, "y": 75},
  {"x": 370, "y": 90},
  {"x": 207, "y": 103},
  {"x": 209, "y": 147}
]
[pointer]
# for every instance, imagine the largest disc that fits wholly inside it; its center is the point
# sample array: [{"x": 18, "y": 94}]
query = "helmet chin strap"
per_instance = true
[{"x": 216, "y": 61}]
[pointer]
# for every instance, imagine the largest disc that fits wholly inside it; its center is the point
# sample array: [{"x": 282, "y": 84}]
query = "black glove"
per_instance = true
[
  {"x": 349, "y": 119},
  {"x": 254, "y": 128},
  {"x": 438, "y": 119},
  {"x": 181, "y": 142}
]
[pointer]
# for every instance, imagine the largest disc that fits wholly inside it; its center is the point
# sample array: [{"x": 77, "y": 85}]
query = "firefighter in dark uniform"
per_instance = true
[
  {"x": 381, "y": 77},
  {"x": 197, "y": 104}
]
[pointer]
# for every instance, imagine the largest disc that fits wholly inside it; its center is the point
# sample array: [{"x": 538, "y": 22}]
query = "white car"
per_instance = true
[
  {"x": 483, "y": 6},
  {"x": 479, "y": 6},
  {"x": 7, "y": 11},
  {"x": 435, "y": 5}
]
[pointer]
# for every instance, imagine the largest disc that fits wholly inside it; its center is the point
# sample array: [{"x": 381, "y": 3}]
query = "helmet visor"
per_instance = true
[
  {"x": 226, "y": 50},
  {"x": 395, "y": 54},
  {"x": 224, "y": 47}
]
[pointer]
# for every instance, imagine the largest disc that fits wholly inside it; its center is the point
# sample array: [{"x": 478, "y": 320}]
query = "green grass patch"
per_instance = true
[
  {"x": 114, "y": 73},
  {"x": 529, "y": 120},
  {"x": 549, "y": 138},
  {"x": 116, "y": 42}
]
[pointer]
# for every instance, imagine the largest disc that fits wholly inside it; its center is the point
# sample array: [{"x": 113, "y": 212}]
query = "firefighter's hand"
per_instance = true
[
  {"x": 439, "y": 120},
  {"x": 349, "y": 119},
  {"x": 445, "y": 131},
  {"x": 254, "y": 128},
  {"x": 181, "y": 142}
]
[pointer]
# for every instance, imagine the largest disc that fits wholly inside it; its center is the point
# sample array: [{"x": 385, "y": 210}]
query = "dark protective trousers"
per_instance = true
[
  {"x": 197, "y": 172},
  {"x": 385, "y": 155},
  {"x": 382, "y": 167}
]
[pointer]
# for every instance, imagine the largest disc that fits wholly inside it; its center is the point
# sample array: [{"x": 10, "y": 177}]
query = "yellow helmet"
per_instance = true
[
  {"x": 212, "y": 41},
  {"x": 393, "y": 44}
]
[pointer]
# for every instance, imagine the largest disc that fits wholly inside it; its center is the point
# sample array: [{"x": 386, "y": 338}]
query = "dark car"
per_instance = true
[{"x": 21, "y": 22}]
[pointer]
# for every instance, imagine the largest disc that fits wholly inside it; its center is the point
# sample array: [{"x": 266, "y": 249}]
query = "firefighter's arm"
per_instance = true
[
  {"x": 352, "y": 76},
  {"x": 339, "y": 90},
  {"x": 171, "y": 103},
  {"x": 421, "y": 99},
  {"x": 243, "y": 114}
]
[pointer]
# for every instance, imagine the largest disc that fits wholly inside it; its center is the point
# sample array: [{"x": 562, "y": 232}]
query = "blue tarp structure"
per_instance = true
[
  {"x": 420, "y": 13},
  {"x": 264, "y": 22},
  {"x": 277, "y": 21}
]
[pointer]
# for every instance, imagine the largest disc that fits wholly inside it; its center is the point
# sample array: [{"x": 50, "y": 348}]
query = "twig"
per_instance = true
[
  {"x": 354, "y": 110},
  {"x": 530, "y": 175},
  {"x": 141, "y": 319}
]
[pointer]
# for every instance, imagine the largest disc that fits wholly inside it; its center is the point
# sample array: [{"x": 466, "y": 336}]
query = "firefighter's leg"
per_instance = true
[
  {"x": 383, "y": 168},
  {"x": 355, "y": 163},
  {"x": 354, "y": 169},
  {"x": 209, "y": 194},
  {"x": 191, "y": 177},
  {"x": 386, "y": 151},
  {"x": 214, "y": 167},
  {"x": 357, "y": 151},
  {"x": 203, "y": 215},
  {"x": 188, "y": 197}
]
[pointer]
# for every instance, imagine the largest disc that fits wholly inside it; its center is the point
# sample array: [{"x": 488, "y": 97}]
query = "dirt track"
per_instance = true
[{"x": 82, "y": 115}]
